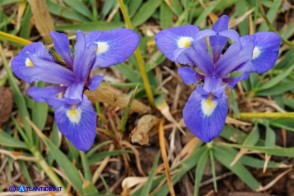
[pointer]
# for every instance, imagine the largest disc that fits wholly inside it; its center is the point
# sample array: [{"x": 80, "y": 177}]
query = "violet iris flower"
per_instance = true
[
  {"x": 214, "y": 68},
  {"x": 74, "y": 113}
]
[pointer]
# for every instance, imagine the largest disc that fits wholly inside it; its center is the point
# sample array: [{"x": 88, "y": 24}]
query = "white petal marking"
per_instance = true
[
  {"x": 28, "y": 63},
  {"x": 208, "y": 106},
  {"x": 102, "y": 47},
  {"x": 184, "y": 42},
  {"x": 256, "y": 53},
  {"x": 74, "y": 114}
]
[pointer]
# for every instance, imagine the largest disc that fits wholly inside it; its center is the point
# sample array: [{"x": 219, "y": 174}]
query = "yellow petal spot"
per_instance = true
[
  {"x": 74, "y": 114},
  {"x": 256, "y": 53},
  {"x": 208, "y": 105},
  {"x": 29, "y": 63},
  {"x": 102, "y": 47},
  {"x": 185, "y": 42}
]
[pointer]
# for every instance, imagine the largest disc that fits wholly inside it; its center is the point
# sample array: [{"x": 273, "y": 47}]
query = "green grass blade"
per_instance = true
[
  {"x": 7, "y": 140},
  {"x": 166, "y": 16},
  {"x": 199, "y": 171},
  {"x": 145, "y": 12},
  {"x": 80, "y": 7},
  {"x": 90, "y": 26},
  {"x": 224, "y": 157},
  {"x": 147, "y": 187},
  {"x": 274, "y": 81},
  {"x": 65, "y": 12}
]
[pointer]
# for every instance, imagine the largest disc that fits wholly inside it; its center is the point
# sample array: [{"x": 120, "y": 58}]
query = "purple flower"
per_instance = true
[
  {"x": 206, "y": 109},
  {"x": 74, "y": 113}
]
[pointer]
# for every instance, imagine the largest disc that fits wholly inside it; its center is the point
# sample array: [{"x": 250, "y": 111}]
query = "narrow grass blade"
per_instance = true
[
  {"x": 24, "y": 170},
  {"x": 7, "y": 140},
  {"x": 127, "y": 110},
  {"x": 65, "y": 12},
  {"x": 13, "y": 38},
  {"x": 166, "y": 16},
  {"x": 145, "y": 12},
  {"x": 80, "y": 7},
  {"x": 224, "y": 157},
  {"x": 147, "y": 187},
  {"x": 274, "y": 81},
  {"x": 199, "y": 171}
]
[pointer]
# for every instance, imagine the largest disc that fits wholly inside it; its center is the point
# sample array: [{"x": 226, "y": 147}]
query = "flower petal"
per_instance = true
[
  {"x": 237, "y": 57},
  {"x": 61, "y": 45},
  {"x": 42, "y": 94},
  {"x": 114, "y": 46},
  {"x": 94, "y": 82},
  {"x": 266, "y": 50},
  {"x": 84, "y": 56},
  {"x": 21, "y": 62},
  {"x": 74, "y": 93},
  {"x": 173, "y": 41},
  {"x": 233, "y": 81},
  {"x": 204, "y": 117},
  {"x": 47, "y": 71},
  {"x": 189, "y": 75},
  {"x": 77, "y": 123},
  {"x": 199, "y": 57},
  {"x": 205, "y": 33}
]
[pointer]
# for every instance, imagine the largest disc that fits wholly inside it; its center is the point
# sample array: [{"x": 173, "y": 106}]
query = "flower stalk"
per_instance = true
[
  {"x": 267, "y": 115},
  {"x": 137, "y": 55}
]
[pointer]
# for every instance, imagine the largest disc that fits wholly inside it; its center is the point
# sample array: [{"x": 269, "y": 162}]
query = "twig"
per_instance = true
[{"x": 164, "y": 158}]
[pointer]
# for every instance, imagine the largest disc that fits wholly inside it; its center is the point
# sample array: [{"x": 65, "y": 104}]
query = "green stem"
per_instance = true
[
  {"x": 47, "y": 169},
  {"x": 86, "y": 168},
  {"x": 137, "y": 55},
  {"x": 267, "y": 115},
  {"x": 14, "y": 39},
  {"x": 270, "y": 26}
]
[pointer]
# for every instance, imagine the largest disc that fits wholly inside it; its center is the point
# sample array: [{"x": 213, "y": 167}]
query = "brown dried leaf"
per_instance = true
[
  {"x": 107, "y": 94},
  {"x": 43, "y": 20},
  {"x": 5, "y": 104},
  {"x": 140, "y": 132}
]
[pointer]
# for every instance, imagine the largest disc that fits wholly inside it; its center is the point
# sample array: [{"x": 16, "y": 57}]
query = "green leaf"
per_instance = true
[
  {"x": 270, "y": 137},
  {"x": 128, "y": 72},
  {"x": 252, "y": 137},
  {"x": 199, "y": 171},
  {"x": 176, "y": 7},
  {"x": 233, "y": 102},
  {"x": 184, "y": 167},
  {"x": 24, "y": 170},
  {"x": 133, "y": 7},
  {"x": 166, "y": 16},
  {"x": 286, "y": 123},
  {"x": 233, "y": 134},
  {"x": 271, "y": 14},
  {"x": 80, "y": 7},
  {"x": 64, "y": 12},
  {"x": 289, "y": 102},
  {"x": 90, "y": 26},
  {"x": 70, "y": 171},
  {"x": 277, "y": 151},
  {"x": 206, "y": 11},
  {"x": 145, "y": 12},
  {"x": 274, "y": 81},
  {"x": 224, "y": 157},
  {"x": 147, "y": 187},
  {"x": 278, "y": 89},
  {"x": 7, "y": 140},
  {"x": 90, "y": 189}
]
